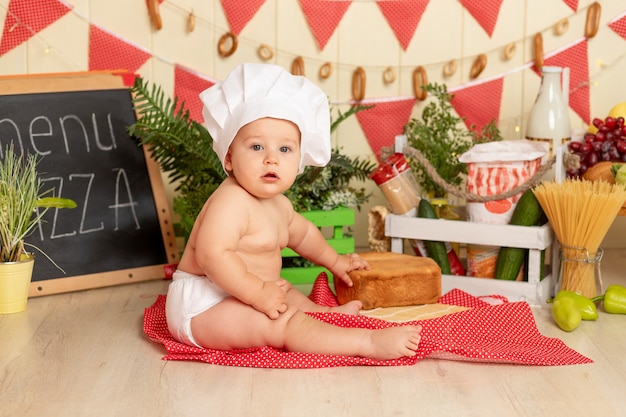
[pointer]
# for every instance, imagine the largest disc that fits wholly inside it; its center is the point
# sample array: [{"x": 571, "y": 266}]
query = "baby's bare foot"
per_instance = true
[
  {"x": 394, "y": 342},
  {"x": 351, "y": 307}
]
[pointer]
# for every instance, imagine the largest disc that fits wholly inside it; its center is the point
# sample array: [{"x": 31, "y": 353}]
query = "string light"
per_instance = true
[
  {"x": 184, "y": 11},
  {"x": 188, "y": 13}
]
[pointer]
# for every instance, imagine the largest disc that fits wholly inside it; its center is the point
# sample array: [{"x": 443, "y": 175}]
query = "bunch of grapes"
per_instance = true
[{"x": 607, "y": 144}]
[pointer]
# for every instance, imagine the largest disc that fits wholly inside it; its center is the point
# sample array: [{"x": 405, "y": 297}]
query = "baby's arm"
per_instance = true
[
  {"x": 306, "y": 239},
  {"x": 271, "y": 300},
  {"x": 228, "y": 271}
]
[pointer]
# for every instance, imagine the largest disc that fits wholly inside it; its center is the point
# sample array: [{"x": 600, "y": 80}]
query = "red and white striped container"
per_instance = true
[{"x": 495, "y": 168}]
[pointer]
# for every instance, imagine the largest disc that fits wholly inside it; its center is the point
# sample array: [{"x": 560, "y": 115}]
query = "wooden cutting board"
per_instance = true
[{"x": 411, "y": 313}]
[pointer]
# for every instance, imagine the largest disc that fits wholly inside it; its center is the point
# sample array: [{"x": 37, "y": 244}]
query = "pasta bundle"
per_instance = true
[{"x": 580, "y": 213}]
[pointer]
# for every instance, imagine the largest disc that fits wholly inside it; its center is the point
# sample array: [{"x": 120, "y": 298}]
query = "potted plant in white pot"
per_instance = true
[{"x": 22, "y": 206}]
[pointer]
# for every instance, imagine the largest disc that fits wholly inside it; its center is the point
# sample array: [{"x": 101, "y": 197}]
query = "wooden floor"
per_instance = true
[{"x": 84, "y": 354}]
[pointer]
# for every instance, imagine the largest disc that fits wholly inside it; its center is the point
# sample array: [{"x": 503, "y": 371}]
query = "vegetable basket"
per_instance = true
[{"x": 536, "y": 238}]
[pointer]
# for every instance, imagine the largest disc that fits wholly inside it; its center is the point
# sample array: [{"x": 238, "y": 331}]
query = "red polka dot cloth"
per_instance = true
[
  {"x": 618, "y": 25},
  {"x": 483, "y": 333},
  {"x": 323, "y": 18},
  {"x": 25, "y": 19},
  {"x": 239, "y": 13},
  {"x": 479, "y": 104},
  {"x": 485, "y": 12},
  {"x": 573, "y": 4},
  {"x": 126, "y": 56},
  {"x": 382, "y": 122},
  {"x": 403, "y": 16}
]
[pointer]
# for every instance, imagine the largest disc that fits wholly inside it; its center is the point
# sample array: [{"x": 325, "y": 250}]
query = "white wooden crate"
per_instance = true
[{"x": 535, "y": 291}]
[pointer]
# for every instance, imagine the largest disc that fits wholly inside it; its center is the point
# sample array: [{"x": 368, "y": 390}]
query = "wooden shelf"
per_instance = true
[{"x": 534, "y": 238}]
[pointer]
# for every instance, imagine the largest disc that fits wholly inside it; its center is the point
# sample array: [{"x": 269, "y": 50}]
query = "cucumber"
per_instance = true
[
  {"x": 527, "y": 212},
  {"x": 436, "y": 250}
]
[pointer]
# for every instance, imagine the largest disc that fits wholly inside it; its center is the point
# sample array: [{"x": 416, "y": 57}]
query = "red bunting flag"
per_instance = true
[
  {"x": 478, "y": 104},
  {"x": 574, "y": 56},
  {"x": 384, "y": 121},
  {"x": 26, "y": 18},
  {"x": 239, "y": 13},
  {"x": 485, "y": 12},
  {"x": 403, "y": 16},
  {"x": 619, "y": 25},
  {"x": 573, "y": 4},
  {"x": 323, "y": 17},
  {"x": 109, "y": 52},
  {"x": 187, "y": 87}
]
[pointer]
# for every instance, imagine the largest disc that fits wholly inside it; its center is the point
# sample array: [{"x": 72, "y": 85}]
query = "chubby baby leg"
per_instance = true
[
  {"x": 304, "y": 303},
  {"x": 304, "y": 334},
  {"x": 234, "y": 325},
  {"x": 394, "y": 342}
]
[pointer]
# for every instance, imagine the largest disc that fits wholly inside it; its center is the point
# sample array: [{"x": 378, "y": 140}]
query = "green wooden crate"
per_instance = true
[{"x": 335, "y": 219}]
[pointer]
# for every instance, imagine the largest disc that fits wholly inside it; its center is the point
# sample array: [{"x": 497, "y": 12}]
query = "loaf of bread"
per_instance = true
[{"x": 393, "y": 280}]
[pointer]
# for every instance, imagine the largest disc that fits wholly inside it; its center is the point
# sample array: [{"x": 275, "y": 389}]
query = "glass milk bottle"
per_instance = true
[{"x": 548, "y": 121}]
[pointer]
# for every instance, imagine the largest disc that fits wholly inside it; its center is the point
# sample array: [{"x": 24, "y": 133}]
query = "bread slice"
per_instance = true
[{"x": 393, "y": 280}]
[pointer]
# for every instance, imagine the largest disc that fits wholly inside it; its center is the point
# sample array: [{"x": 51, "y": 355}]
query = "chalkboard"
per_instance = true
[{"x": 120, "y": 232}]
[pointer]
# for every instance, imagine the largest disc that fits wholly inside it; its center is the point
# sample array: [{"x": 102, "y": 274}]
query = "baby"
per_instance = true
[{"x": 267, "y": 125}]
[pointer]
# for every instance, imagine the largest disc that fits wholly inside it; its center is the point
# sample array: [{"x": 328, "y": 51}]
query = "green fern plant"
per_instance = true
[
  {"x": 183, "y": 148},
  {"x": 440, "y": 136}
]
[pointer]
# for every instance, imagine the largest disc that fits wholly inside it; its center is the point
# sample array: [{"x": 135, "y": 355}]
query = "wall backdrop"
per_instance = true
[{"x": 186, "y": 45}]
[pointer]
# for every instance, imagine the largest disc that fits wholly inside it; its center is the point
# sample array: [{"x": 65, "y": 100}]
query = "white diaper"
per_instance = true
[{"x": 187, "y": 296}]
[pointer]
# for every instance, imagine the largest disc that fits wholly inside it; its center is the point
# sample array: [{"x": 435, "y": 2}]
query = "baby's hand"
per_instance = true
[
  {"x": 347, "y": 263},
  {"x": 283, "y": 284},
  {"x": 271, "y": 299}
]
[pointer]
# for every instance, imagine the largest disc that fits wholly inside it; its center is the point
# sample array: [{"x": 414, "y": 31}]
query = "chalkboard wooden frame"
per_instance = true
[{"x": 85, "y": 82}]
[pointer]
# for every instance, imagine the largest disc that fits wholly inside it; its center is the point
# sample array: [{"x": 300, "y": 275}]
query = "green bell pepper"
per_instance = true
[
  {"x": 565, "y": 313},
  {"x": 614, "y": 299},
  {"x": 587, "y": 307}
]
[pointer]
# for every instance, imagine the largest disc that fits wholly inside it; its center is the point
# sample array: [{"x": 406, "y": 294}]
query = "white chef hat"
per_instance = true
[{"x": 254, "y": 91}]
